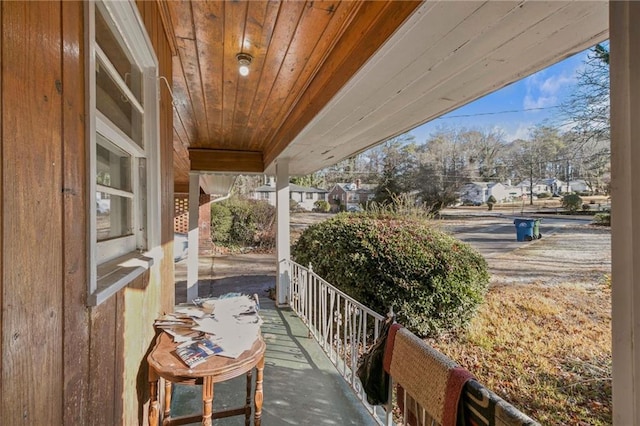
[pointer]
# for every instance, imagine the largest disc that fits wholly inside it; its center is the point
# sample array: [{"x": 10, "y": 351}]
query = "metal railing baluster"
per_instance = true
[{"x": 339, "y": 323}]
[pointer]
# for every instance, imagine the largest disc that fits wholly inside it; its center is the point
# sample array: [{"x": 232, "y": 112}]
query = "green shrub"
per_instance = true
[
  {"x": 491, "y": 201},
  {"x": 263, "y": 217},
  {"x": 544, "y": 195},
  {"x": 321, "y": 206},
  {"x": 221, "y": 221},
  {"x": 572, "y": 202},
  {"x": 603, "y": 219},
  {"x": 238, "y": 222},
  {"x": 434, "y": 281},
  {"x": 243, "y": 227},
  {"x": 295, "y": 206}
]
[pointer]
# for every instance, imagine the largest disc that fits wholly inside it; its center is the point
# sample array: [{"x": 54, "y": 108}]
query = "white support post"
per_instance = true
[
  {"x": 193, "y": 241},
  {"x": 282, "y": 236},
  {"x": 625, "y": 196}
]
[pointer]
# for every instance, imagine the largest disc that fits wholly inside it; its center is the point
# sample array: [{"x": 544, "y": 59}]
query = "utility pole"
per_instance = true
[{"x": 531, "y": 182}]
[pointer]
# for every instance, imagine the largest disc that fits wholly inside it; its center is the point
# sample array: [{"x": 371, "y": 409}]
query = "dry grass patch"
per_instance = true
[{"x": 547, "y": 350}]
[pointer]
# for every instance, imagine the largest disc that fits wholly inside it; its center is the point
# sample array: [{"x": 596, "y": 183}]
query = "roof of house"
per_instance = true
[
  {"x": 292, "y": 188},
  {"x": 363, "y": 187},
  {"x": 485, "y": 184}
]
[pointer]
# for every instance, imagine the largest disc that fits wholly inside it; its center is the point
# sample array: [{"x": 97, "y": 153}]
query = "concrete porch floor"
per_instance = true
[{"x": 301, "y": 386}]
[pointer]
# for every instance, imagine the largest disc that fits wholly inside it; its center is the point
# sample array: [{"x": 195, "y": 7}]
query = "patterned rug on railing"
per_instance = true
[
  {"x": 482, "y": 407},
  {"x": 433, "y": 388}
]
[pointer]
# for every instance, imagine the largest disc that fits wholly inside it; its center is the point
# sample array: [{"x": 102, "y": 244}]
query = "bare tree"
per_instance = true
[
  {"x": 443, "y": 169},
  {"x": 586, "y": 111}
]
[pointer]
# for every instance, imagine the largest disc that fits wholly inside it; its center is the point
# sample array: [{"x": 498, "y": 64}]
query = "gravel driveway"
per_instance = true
[{"x": 574, "y": 253}]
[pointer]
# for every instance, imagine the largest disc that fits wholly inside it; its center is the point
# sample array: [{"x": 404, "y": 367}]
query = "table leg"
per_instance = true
[
  {"x": 257, "y": 420},
  {"x": 247, "y": 405},
  {"x": 207, "y": 400},
  {"x": 153, "y": 397},
  {"x": 167, "y": 399}
]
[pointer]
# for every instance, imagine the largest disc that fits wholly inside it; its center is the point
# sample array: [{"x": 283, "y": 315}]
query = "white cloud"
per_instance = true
[
  {"x": 543, "y": 89},
  {"x": 512, "y": 133},
  {"x": 530, "y": 102},
  {"x": 553, "y": 84}
]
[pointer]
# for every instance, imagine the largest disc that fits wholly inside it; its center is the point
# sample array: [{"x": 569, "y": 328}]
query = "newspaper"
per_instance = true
[{"x": 225, "y": 326}]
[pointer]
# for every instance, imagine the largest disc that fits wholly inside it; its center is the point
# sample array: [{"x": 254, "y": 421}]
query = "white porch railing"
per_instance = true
[{"x": 342, "y": 326}]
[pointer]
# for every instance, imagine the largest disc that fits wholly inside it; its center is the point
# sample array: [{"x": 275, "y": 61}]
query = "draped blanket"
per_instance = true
[
  {"x": 429, "y": 378},
  {"x": 433, "y": 388}
]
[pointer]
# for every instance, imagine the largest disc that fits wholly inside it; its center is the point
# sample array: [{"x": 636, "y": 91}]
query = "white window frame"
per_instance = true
[{"x": 116, "y": 262}]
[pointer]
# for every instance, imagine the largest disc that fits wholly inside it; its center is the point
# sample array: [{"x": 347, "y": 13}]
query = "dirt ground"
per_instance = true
[{"x": 578, "y": 255}]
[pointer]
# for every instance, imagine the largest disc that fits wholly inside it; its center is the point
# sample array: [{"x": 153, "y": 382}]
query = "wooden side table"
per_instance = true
[{"x": 164, "y": 363}]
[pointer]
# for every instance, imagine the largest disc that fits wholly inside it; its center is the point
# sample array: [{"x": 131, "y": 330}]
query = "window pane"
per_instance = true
[
  {"x": 111, "y": 43},
  {"x": 113, "y": 103},
  {"x": 113, "y": 216},
  {"x": 113, "y": 165}
]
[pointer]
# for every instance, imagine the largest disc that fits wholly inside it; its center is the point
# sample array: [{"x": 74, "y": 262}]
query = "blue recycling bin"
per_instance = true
[{"x": 524, "y": 229}]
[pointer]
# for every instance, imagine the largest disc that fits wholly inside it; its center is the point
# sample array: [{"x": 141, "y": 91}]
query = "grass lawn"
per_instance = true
[{"x": 545, "y": 349}]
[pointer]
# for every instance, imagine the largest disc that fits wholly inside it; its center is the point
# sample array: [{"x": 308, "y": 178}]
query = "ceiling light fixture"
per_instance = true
[{"x": 244, "y": 60}]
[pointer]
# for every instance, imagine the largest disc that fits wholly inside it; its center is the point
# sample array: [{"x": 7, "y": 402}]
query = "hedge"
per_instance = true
[
  {"x": 434, "y": 281},
  {"x": 238, "y": 222}
]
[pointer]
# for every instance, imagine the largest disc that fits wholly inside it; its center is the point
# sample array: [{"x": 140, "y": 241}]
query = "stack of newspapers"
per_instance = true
[{"x": 224, "y": 326}]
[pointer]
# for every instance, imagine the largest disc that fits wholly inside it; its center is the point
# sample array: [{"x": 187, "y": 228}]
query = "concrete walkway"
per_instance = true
[{"x": 301, "y": 386}]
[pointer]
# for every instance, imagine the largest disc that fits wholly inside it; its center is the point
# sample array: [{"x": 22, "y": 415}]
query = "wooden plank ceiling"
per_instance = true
[
  {"x": 331, "y": 78},
  {"x": 303, "y": 53}
]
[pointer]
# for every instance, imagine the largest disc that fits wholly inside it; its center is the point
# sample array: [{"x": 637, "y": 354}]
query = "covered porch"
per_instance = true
[
  {"x": 325, "y": 80},
  {"x": 301, "y": 385},
  {"x": 390, "y": 92}
]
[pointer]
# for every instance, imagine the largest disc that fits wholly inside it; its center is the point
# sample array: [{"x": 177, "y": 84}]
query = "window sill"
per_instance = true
[{"x": 118, "y": 273}]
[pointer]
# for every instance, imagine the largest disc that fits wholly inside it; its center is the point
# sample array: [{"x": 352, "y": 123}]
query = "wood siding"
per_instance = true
[
  {"x": 76, "y": 317},
  {"x": 32, "y": 228},
  {"x": 62, "y": 362}
]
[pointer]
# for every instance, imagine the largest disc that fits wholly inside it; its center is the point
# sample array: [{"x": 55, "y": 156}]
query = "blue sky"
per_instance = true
[{"x": 545, "y": 89}]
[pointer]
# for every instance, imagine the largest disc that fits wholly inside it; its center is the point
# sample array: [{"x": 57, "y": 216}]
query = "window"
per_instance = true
[
  {"x": 123, "y": 148},
  {"x": 309, "y": 195}
]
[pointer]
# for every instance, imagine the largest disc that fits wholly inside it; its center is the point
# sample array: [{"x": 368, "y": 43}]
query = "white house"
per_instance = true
[
  {"x": 579, "y": 185},
  {"x": 552, "y": 186},
  {"x": 303, "y": 195},
  {"x": 556, "y": 186},
  {"x": 479, "y": 192}
]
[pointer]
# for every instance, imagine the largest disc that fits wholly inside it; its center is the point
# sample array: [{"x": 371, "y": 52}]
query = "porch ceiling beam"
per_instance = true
[
  {"x": 218, "y": 160},
  {"x": 180, "y": 188}
]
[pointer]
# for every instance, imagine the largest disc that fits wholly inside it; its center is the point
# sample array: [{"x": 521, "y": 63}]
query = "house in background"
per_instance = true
[
  {"x": 538, "y": 187},
  {"x": 552, "y": 186},
  {"x": 556, "y": 186},
  {"x": 479, "y": 192},
  {"x": 352, "y": 196},
  {"x": 580, "y": 185},
  {"x": 303, "y": 195}
]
